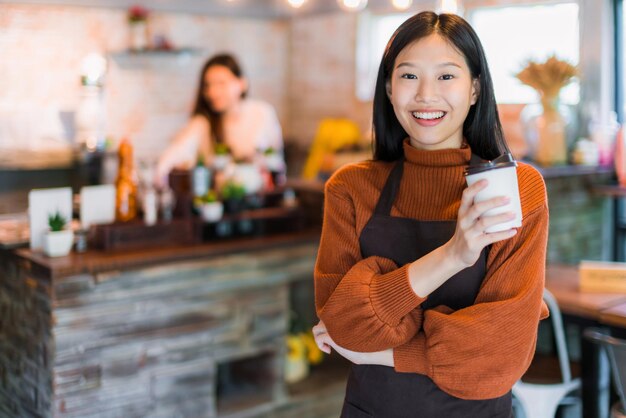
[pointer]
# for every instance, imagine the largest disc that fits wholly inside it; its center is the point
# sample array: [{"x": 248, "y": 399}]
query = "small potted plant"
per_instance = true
[
  {"x": 210, "y": 208},
  {"x": 273, "y": 160},
  {"x": 222, "y": 157},
  {"x": 59, "y": 239},
  {"x": 275, "y": 165},
  {"x": 302, "y": 351},
  {"x": 233, "y": 194}
]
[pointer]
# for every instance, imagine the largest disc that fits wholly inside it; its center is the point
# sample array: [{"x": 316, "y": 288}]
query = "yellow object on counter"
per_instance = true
[
  {"x": 314, "y": 354},
  {"x": 332, "y": 135},
  {"x": 602, "y": 276}
]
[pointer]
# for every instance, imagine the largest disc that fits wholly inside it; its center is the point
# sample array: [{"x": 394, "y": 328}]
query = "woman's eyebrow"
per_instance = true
[
  {"x": 405, "y": 64},
  {"x": 443, "y": 64}
]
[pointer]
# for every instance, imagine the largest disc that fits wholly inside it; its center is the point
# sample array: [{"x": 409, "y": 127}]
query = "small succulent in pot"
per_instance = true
[
  {"x": 210, "y": 208},
  {"x": 233, "y": 194},
  {"x": 221, "y": 149},
  {"x": 56, "y": 221},
  {"x": 58, "y": 240},
  {"x": 222, "y": 156}
]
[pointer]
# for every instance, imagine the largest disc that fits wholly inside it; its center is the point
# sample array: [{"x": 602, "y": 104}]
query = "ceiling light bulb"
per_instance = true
[
  {"x": 402, "y": 4},
  {"x": 296, "y": 4},
  {"x": 352, "y": 5},
  {"x": 449, "y": 6},
  {"x": 93, "y": 69}
]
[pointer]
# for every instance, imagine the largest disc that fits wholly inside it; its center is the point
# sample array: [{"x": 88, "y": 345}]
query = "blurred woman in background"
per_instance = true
[{"x": 222, "y": 115}]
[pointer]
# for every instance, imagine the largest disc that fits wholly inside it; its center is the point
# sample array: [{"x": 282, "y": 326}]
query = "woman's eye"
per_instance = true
[
  {"x": 446, "y": 77},
  {"x": 409, "y": 76}
]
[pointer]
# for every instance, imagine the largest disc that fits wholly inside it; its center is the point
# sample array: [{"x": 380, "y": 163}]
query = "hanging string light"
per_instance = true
[
  {"x": 296, "y": 4},
  {"x": 402, "y": 4},
  {"x": 352, "y": 5},
  {"x": 449, "y": 6}
]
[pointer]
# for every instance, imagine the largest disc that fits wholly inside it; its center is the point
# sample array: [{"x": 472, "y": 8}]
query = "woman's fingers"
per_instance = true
[
  {"x": 319, "y": 328},
  {"x": 488, "y": 221},
  {"x": 324, "y": 342},
  {"x": 322, "y": 339},
  {"x": 467, "y": 198},
  {"x": 479, "y": 208},
  {"x": 500, "y": 236}
]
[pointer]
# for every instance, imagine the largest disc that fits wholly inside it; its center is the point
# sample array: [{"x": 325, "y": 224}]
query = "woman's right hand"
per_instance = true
[{"x": 470, "y": 237}]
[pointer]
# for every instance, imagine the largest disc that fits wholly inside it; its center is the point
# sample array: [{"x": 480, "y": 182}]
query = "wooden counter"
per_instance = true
[
  {"x": 195, "y": 331},
  {"x": 97, "y": 262}
]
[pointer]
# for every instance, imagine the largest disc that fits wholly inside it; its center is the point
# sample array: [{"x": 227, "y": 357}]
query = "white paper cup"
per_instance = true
[{"x": 502, "y": 178}]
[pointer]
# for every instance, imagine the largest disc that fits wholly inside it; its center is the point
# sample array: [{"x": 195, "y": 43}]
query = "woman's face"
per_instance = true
[
  {"x": 222, "y": 88},
  {"x": 431, "y": 91}
]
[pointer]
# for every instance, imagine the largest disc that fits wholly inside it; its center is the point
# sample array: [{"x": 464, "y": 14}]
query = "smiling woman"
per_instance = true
[
  {"x": 432, "y": 87},
  {"x": 410, "y": 287}
]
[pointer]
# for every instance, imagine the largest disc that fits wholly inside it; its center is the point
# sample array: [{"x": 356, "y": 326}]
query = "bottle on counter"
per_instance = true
[
  {"x": 150, "y": 206},
  {"x": 201, "y": 178},
  {"x": 126, "y": 187}
]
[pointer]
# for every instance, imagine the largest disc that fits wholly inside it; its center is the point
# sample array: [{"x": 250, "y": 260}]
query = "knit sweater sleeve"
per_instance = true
[
  {"x": 479, "y": 352},
  {"x": 366, "y": 304}
]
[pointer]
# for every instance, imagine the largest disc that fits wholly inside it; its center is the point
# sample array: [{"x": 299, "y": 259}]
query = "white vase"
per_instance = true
[
  {"x": 212, "y": 212},
  {"x": 548, "y": 131},
  {"x": 58, "y": 243},
  {"x": 138, "y": 35},
  {"x": 249, "y": 175},
  {"x": 221, "y": 161}
]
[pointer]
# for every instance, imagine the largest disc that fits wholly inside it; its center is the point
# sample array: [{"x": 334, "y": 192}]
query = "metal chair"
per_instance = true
[
  {"x": 542, "y": 400},
  {"x": 616, "y": 351}
]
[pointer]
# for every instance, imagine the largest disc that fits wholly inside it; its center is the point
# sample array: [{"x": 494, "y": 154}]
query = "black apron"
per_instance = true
[{"x": 380, "y": 391}]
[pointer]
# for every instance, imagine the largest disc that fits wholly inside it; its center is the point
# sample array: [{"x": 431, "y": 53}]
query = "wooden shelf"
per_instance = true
[
  {"x": 154, "y": 58},
  {"x": 610, "y": 190},
  {"x": 154, "y": 53},
  {"x": 571, "y": 170}
]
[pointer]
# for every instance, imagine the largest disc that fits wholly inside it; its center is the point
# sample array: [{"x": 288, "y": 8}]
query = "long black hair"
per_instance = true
[
  {"x": 203, "y": 107},
  {"x": 481, "y": 129}
]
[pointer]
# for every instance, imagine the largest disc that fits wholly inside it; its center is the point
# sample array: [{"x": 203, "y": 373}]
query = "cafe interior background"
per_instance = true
[{"x": 220, "y": 326}]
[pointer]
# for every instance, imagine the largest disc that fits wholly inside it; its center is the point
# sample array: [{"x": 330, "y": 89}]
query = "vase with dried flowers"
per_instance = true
[
  {"x": 138, "y": 27},
  {"x": 548, "y": 78}
]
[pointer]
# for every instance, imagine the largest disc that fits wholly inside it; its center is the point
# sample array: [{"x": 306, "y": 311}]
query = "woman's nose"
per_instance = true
[{"x": 426, "y": 91}]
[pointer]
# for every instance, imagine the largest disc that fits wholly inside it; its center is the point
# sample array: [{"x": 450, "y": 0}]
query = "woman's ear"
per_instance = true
[
  {"x": 388, "y": 88},
  {"x": 475, "y": 90}
]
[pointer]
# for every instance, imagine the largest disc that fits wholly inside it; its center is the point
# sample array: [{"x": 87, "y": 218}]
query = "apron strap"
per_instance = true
[
  {"x": 389, "y": 192},
  {"x": 475, "y": 160}
]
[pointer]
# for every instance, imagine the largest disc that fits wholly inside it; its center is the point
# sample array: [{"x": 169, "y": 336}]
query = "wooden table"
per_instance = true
[
  {"x": 563, "y": 282},
  {"x": 615, "y": 316},
  {"x": 588, "y": 309}
]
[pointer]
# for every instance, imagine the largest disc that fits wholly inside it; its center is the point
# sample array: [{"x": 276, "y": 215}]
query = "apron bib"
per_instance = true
[{"x": 380, "y": 391}]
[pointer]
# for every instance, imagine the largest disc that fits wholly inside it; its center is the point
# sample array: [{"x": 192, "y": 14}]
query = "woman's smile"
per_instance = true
[{"x": 428, "y": 118}]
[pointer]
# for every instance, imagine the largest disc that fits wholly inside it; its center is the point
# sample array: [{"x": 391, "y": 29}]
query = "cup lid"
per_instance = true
[{"x": 503, "y": 161}]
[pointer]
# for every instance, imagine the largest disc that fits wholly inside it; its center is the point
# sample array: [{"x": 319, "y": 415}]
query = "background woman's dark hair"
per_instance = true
[
  {"x": 481, "y": 129},
  {"x": 202, "y": 106}
]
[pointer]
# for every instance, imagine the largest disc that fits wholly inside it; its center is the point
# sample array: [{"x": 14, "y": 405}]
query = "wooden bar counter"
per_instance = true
[{"x": 193, "y": 331}]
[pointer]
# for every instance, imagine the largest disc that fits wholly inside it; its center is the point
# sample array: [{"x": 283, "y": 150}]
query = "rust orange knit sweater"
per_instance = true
[{"x": 477, "y": 352}]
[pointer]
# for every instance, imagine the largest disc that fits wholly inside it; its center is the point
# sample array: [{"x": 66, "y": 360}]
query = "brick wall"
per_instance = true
[
  {"x": 322, "y": 79},
  {"x": 147, "y": 99}
]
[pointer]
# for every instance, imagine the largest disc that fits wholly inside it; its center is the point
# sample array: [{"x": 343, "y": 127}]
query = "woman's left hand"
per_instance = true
[{"x": 326, "y": 344}]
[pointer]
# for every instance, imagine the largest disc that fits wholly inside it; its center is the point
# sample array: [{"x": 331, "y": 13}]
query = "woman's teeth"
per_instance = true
[{"x": 428, "y": 115}]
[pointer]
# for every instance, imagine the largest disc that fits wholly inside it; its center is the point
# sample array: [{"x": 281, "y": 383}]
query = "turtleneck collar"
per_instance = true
[{"x": 437, "y": 158}]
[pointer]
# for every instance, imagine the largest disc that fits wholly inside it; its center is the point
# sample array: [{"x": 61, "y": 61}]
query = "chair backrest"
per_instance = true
[
  {"x": 559, "y": 335},
  {"x": 616, "y": 351}
]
